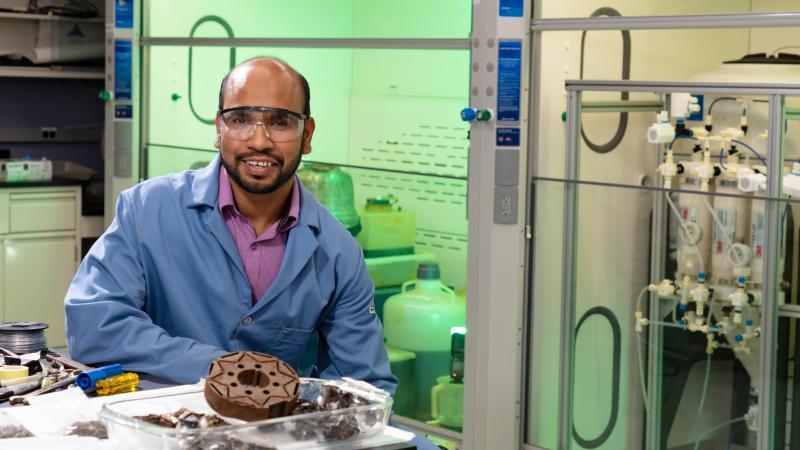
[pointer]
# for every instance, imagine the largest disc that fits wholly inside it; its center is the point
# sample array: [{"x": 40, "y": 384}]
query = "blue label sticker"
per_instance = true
[
  {"x": 123, "y": 111},
  {"x": 511, "y": 8},
  {"x": 509, "y": 65},
  {"x": 123, "y": 60},
  {"x": 123, "y": 13},
  {"x": 508, "y": 137}
]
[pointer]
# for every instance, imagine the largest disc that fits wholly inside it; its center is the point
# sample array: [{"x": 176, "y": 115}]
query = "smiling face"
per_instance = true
[{"x": 258, "y": 165}]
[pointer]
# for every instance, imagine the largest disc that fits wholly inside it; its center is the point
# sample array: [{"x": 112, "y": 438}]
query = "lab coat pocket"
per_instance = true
[{"x": 291, "y": 344}]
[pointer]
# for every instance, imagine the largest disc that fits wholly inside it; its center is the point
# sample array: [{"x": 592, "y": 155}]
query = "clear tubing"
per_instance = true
[
  {"x": 705, "y": 384},
  {"x": 639, "y": 356},
  {"x": 714, "y": 429},
  {"x": 669, "y": 325},
  {"x": 683, "y": 226},
  {"x": 725, "y": 233}
]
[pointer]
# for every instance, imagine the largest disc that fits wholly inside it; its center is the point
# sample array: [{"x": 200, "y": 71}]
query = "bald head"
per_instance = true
[{"x": 267, "y": 70}]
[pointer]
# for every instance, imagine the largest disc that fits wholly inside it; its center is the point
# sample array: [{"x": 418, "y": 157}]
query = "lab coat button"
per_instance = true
[
  {"x": 247, "y": 321},
  {"x": 253, "y": 246}
]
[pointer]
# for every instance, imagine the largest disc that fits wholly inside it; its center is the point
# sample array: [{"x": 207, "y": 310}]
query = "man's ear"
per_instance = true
[
  {"x": 308, "y": 132},
  {"x": 217, "y": 141}
]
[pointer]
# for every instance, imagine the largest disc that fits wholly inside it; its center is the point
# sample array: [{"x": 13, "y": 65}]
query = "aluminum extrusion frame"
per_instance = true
[{"x": 702, "y": 21}]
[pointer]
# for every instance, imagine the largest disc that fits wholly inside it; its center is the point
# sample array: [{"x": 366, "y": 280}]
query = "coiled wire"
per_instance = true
[{"x": 23, "y": 337}]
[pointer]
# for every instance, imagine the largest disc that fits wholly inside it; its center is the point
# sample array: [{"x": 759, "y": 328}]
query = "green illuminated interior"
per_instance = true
[
  {"x": 388, "y": 117},
  {"x": 412, "y": 19}
]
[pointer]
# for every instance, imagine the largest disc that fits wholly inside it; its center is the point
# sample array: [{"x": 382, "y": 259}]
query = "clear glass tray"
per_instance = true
[{"x": 320, "y": 430}]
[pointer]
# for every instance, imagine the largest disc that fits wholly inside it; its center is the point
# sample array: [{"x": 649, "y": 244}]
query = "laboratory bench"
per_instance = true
[{"x": 47, "y": 432}]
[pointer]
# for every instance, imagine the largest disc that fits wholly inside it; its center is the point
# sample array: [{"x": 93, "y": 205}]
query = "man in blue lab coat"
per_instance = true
[{"x": 235, "y": 256}]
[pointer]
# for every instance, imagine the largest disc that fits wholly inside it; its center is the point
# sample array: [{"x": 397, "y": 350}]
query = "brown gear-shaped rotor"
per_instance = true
[{"x": 251, "y": 386}]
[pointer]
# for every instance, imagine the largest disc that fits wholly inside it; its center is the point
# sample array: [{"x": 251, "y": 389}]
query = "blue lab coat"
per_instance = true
[{"x": 163, "y": 291}]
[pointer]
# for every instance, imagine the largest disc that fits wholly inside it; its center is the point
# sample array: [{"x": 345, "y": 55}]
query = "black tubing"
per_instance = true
[
  {"x": 231, "y": 59},
  {"x": 626, "y": 75},
  {"x": 612, "y": 418}
]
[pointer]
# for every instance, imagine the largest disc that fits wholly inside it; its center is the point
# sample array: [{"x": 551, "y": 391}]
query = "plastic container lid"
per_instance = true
[{"x": 428, "y": 271}]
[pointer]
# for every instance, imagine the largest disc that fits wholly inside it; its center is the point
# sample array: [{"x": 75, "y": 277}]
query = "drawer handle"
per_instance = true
[{"x": 43, "y": 196}]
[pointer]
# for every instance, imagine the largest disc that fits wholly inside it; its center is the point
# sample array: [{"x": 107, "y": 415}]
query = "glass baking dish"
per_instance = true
[{"x": 340, "y": 428}]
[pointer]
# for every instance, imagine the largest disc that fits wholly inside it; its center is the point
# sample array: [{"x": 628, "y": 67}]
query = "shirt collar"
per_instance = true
[
  {"x": 225, "y": 200},
  {"x": 204, "y": 192}
]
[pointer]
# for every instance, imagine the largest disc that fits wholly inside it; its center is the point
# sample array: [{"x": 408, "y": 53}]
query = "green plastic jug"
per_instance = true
[
  {"x": 402, "y": 364},
  {"x": 419, "y": 319},
  {"x": 334, "y": 189},
  {"x": 447, "y": 402}
]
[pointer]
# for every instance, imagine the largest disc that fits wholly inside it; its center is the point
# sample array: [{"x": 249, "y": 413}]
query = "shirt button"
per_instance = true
[
  {"x": 247, "y": 321},
  {"x": 253, "y": 246}
]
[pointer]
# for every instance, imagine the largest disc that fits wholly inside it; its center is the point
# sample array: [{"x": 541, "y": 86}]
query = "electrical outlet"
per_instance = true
[
  {"x": 48, "y": 132},
  {"x": 505, "y": 205}
]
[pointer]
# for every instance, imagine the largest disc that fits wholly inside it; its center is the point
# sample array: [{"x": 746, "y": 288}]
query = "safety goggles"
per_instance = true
[{"x": 281, "y": 125}]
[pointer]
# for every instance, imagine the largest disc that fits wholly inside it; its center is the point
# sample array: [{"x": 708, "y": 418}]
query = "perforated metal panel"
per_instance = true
[{"x": 421, "y": 135}]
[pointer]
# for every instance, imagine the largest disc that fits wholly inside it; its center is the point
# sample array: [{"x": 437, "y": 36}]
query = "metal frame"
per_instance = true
[
  {"x": 702, "y": 21},
  {"x": 569, "y": 250},
  {"x": 115, "y": 184},
  {"x": 493, "y": 401},
  {"x": 771, "y": 287},
  {"x": 718, "y": 21},
  {"x": 530, "y": 259},
  {"x": 665, "y": 87},
  {"x": 435, "y": 44}
]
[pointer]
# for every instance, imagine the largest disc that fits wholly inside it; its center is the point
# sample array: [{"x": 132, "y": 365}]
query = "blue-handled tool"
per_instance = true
[{"x": 88, "y": 378}]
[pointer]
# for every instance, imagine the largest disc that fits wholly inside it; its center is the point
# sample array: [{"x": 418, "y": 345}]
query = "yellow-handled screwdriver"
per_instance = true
[{"x": 125, "y": 382}]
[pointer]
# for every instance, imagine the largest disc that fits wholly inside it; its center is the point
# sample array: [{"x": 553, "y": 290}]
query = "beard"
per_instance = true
[{"x": 285, "y": 173}]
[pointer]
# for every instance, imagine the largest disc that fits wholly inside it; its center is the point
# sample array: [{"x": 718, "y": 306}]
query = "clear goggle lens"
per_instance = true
[{"x": 279, "y": 124}]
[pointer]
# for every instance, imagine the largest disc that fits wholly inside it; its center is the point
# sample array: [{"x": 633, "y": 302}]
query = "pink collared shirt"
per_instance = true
[{"x": 261, "y": 255}]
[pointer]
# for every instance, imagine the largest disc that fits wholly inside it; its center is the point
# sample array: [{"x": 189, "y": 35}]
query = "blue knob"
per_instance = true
[
  {"x": 682, "y": 321},
  {"x": 749, "y": 322},
  {"x": 741, "y": 281},
  {"x": 682, "y": 307},
  {"x": 739, "y": 338},
  {"x": 701, "y": 276},
  {"x": 468, "y": 114}
]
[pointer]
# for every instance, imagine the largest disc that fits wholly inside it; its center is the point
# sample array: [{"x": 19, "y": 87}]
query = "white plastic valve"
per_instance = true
[
  {"x": 700, "y": 294},
  {"x": 663, "y": 289},
  {"x": 682, "y": 104},
  {"x": 641, "y": 322},
  {"x": 739, "y": 298},
  {"x": 705, "y": 171},
  {"x": 661, "y": 132},
  {"x": 668, "y": 169},
  {"x": 731, "y": 133},
  {"x": 750, "y": 181}
]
